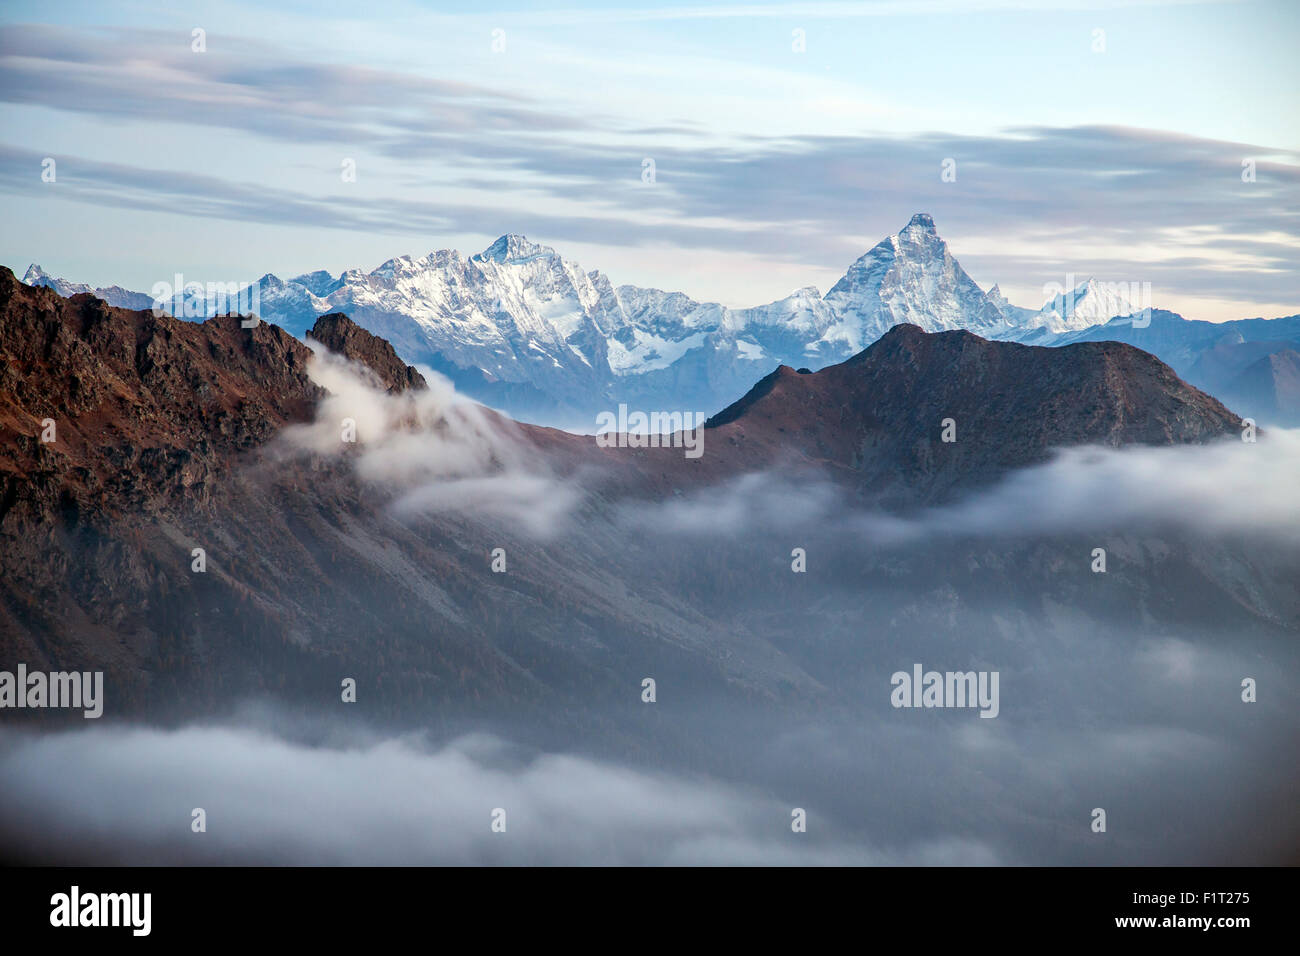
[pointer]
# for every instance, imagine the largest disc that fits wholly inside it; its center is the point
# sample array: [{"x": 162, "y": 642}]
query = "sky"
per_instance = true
[{"x": 1085, "y": 138}]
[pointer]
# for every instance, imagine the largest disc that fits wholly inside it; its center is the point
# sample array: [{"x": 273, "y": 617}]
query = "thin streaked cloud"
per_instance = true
[{"x": 756, "y": 192}]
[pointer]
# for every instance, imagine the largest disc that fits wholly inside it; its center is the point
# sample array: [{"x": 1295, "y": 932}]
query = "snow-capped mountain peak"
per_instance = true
[
  {"x": 514, "y": 249},
  {"x": 909, "y": 277},
  {"x": 1089, "y": 303},
  {"x": 921, "y": 222},
  {"x": 319, "y": 283},
  {"x": 113, "y": 295}
]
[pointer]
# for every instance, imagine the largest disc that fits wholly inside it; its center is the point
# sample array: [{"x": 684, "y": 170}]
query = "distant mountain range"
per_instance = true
[{"x": 523, "y": 329}]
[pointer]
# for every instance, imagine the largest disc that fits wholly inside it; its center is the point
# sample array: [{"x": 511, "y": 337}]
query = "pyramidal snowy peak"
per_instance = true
[
  {"x": 1090, "y": 303},
  {"x": 910, "y": 277},
  {"x": 514, "y": 249},
  {"x": 520, "y": 327},
  {"x": 113, "y": 295}
]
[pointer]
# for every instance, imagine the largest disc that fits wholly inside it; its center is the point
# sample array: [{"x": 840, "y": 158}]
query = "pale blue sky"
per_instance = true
[{"x": 775, "y": 169}]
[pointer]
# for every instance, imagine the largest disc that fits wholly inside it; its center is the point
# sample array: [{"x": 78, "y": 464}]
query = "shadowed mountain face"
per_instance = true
[
  {"x": 883, "y": 412},
  {"x": 471, "y": 572},
  {"x": 141, "y": 405},
  {"x": 1270, "y": 387},
  {"x": 341, "y": 335}
]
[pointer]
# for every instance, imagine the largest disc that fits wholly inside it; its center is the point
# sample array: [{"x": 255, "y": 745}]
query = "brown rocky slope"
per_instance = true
[{"x": 164, "y": 433}]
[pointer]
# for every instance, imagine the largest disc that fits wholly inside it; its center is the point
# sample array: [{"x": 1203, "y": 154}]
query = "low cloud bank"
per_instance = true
[
  {"x": 1226, "y": 488},
  {"x": 440, "y": 451},
  {"x": 128, "y": 794}
]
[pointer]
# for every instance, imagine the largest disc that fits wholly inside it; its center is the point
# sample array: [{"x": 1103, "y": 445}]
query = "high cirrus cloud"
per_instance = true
[{"x": 480, "y": 158}]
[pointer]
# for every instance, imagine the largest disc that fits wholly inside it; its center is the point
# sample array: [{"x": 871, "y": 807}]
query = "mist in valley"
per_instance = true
[{"x": 771, "y": 612}]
